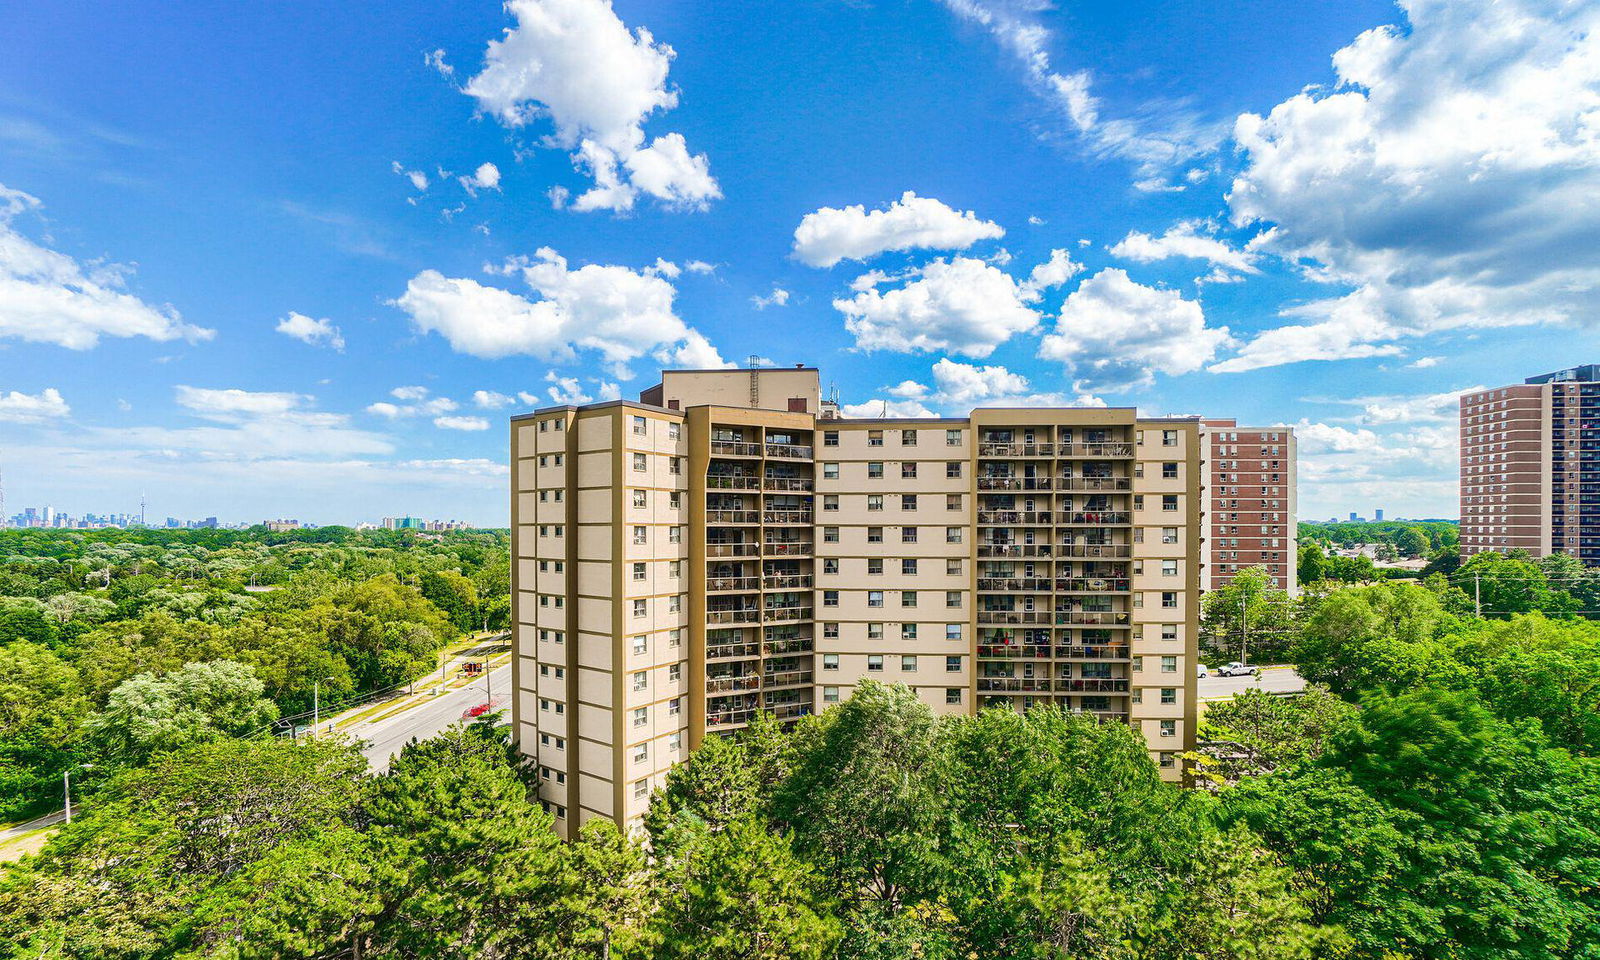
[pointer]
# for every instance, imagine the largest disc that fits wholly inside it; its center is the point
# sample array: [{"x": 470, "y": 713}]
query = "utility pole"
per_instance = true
[
  {"x": 1244, "y": 630},
  {"x": 1477, "y": 595}
]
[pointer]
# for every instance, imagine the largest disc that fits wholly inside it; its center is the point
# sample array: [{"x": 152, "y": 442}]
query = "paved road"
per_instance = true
[
  {"x": 1272, "y": 680},
  {"x": 386, "y": 737},
  {"x": 49, "y": 819}
]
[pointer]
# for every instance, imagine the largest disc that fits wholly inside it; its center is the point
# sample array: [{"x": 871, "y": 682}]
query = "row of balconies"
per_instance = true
[
  {"x": 1068, "y": 484},
  {"x": 1030, "y": 651},
  {"x": 741, "y": 448},
  {"x": 1109, "y": 618},
  {"x": 1108, "y": 449},
  {"x": 752, "y": 482},
  {"x": 1062, "y": 518},
  {"x": 1077, "y": 685},
  {"x": 1065, "y": 585},
  {"x": 1094, "y": 551},
  {"x": 751, "y": 517},
  {"x": 800, "y": 581}
]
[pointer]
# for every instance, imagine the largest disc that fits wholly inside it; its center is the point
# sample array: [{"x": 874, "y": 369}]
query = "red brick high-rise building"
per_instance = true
[{"x": 1250, "y": 502}]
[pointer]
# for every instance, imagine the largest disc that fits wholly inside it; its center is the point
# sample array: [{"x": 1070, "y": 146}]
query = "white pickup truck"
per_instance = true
[{"x": 1237, "y": 669}]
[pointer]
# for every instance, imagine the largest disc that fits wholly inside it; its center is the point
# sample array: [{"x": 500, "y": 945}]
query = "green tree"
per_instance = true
[
  {"x": 1312, "y": 564},
  {"x": 611, "y": 897},
  {"x": 453, "y": 594},
  {"x": 148, "y": 714},
  {"x": 1502, "y": 585},
  {"x": 1276, "y": 730},
  {"x": 1411, "y": 542},
  {"x": 1247, "y": 619},
  {"x": 42, "y": 705},
  {"x": 740, "y": 893}
]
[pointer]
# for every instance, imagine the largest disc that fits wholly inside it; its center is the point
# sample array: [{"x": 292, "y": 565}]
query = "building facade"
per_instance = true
[
  {"x": 1250, "y": 503},
  {"x": 1530, "y": 466},
  {"x": 730, "y": 545}
]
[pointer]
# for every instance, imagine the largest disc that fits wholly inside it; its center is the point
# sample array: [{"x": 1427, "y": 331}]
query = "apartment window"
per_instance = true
[
  {"x": 908, "y": 534},
  {"x": 952, "y": 568},
  {"x": 641, "y": 679},
  {"x": 830, "y": 471},
  {"x": 1169, "y": 664},
  {"x": 952, "y": 438},
  {"x": 952, "y": 470},
  {"x": 830, "y": 501},
  {"x": 874, "y": 438},
  {"x": 674, "y": 638},
  {"x": 874, "y": 663},
  {"x": 641, "y": 789},
  {"x": 1169, "y": 568},
  {"x": 544, "y": 461},
  {"x": 674, "y": 672},
  {"x": 908, "y": 501},
  {"x": 830, "y": 438},
  {"x": 830, "y": 661},
  {"x": 953, "y": 535},
  {"x": 675, "y": 500},
  {"x": 638, "y": 571},
  {"x": 874, "y": 470},
  {"x": 675, "y": 569},
  {"x": 874, "y": 534},
  {"x": 952, "y": 501},
  {"x": 952, "y": 695},
  {"x": 952, "y": 631},
  {"x": 908, "y": 471},
  {"x": 641, "y": 716},
  {"x": 908, "y": 438},
  {"x": 641, "y": 753},
  {"x": 1136, "y": 695},
  {"x": 830, "y": 598},
  {"x": 874, "y": 501},
  {"x": 1169, "y": 534},
  {"x": 641, "y": 645},
  {"x": 1169, "y": 471},
  {"x": 830, "y": 565},
  {"x": 908, "y": 631},
  {"x": 874, "y": 598},
  {"x": 543, "y": 425},
  {"x": 1137, "y": 664},
  {"x": 908, "y": 568},
  {"x": 1169, "y": 599},
  {"x": 1169, "y": 438},
  {"x": 638, "y": 608},
  {"x": 874, "y": 631},
  {"x": 1169, "y": 695},
  {"x": 675, "y": 465},
  {"x": 638, "y": 426},
  {"x": 874, "y": 566},
  {"x": 952, "y": 664},
  {"x": 640, "y": 462},
  {"x": 908, "y": 598},
  {"x": 1169, "y": 728},
  {"x": 1169, "y": 501},
  {"x": 830, "y": 694},
  {"x": 1138, "y": 502},
  {"x": 674, "y": 604},
  {"x": 1168, "y": 761},
  {"x": 908, "y": 664},
  {"x": 674, "y": 739},
  {"x": 674, "y": 534},
  {"x": 674, "y": 431},
  {"x": 830, "y": 631},
  {"x": 830, "y": 534}
]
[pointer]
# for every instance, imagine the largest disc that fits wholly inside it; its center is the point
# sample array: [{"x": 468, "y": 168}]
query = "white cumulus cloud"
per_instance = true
[
  {"x": 486, "y": 177},
  {"x": 308, "y": 330},
  {"x": 47, "y": 404},
  {"x": 1113, "y": 332},
  {"x": 831, "y": 234},
  {"x": 961, "y": 305},
  {"x": 471, "y": 424},
  {"x": 1184, "y": 240},
  {"x": 779, "y": 297}
]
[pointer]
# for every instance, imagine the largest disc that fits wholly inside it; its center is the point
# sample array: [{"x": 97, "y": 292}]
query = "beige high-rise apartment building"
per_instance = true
[{"x": 730, "y": 545}]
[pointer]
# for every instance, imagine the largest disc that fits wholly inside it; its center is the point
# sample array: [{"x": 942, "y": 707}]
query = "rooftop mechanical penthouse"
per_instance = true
[{"x": 729, "y": 545}]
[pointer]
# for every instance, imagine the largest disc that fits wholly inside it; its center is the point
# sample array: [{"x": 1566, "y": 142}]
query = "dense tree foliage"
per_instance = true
[{"x": 117, "y": 644}]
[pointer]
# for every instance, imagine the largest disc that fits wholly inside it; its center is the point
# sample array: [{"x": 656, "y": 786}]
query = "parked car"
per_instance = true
[
  {"x": 1203, "y": 673},
  {"x": 1237, "y": 669}
]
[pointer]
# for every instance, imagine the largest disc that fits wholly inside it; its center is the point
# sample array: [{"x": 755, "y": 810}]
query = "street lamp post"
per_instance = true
[
  {"x": 66, "y": 788},
  {"x": 316, "y": 705}
]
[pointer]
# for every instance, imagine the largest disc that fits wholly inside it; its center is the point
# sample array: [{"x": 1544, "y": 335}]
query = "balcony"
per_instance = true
[
  {"x": 732, "y": 684},
  {"x": 1093, "y": 518},
  {"x": 1012, "y": 685},
  {"x": 1091, "y": 618},
  {"x": 1091, "y": 484},
  {"x": 1013, "y": 584},
  {"x": 1014, "y": 651},
  {"x": 1092, "y": 585},
  {"x": 788, "y": 451},
  {"x": 1107, "y": 449},
  {"x": 797, "y": 517},
  {"x": 1015, "y": 617},
  {"x": 789, "y": 711},
  {"x": 785, "y": 678},
  {"x": 798, "y": 484},
  {"x": 792, "y": 581},
  {"x": 748, "y": 615},
  {"x": 732, "y": 549},
  {"x": 1014, "y": 483},
  {"x": 1014, "y": 517},
  {"x": 722, "y": 584},
  {"x": 787, "y": 647},
  {"x": 993, "y": 549},
  {"x": 1095, "y": 551},
  {"x": 777, "y": 614},
  {"x": 786, "y": 548},
  {"x": 1091, "y": 685},
  {"x": 736, "y": 482},
  {"x": 1092, "y": 652},
  {"x": 734, "y": 448},
  {"x": 1016, "y": 449},
  {"x": 732, "y": 651},
  {"x": 732, "y": 516}
]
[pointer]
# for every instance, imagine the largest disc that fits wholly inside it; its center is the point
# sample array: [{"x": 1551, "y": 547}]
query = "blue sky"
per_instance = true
[{"x": 299, "y": 260}]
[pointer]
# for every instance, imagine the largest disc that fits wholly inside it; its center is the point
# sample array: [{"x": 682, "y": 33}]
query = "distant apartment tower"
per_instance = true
[
  {"x": 729, "y": 545},
  {"x": 1378, "y": 515},
  {"x": 1530, "y": 466},
  {"x": 1249, "y": 503}
]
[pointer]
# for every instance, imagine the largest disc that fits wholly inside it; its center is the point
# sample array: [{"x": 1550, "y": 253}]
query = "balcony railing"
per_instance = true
[
  {"x": 733, "y": 516},
  {"x": 715, "y": 584},
  {"x": 789, "y": 711},
  {"x": 1014, "y": 651},
  {"x": 785, "y": 678},
  {"x": 788, "y": 483},
  {"x": 1092, "y": 585},
  {"x": 1093, "y": 518},
  {"x": 772, "y": 614},
  {"x": 734, "y": 448},
  {"x": 792, "y": 581},
  {"x": 1092, "y": 618},
  {"x": 787, "y": 516},
  {"x": 732, "y": 684},
  {"x": 1014, "y": 483},
  {"x": 733, "y": 483},
  {"x": 1015, "y": 616},
  {"x": 781, "y": 648},
  {"x": 732, "y": 549},
  {"x": 1016, "y": 449},
  {"x": 1091, "y": 685},
  {"x": 786, "y": 548},
  {"x": 1012, "y": 685},
  {"x": 992, "y": 549},
  {"x": 1094, "y": 483},
  {"x": 750, "y": 615},
  {"x": 1013, "y": 584},
  {"x": 1092, "y": 652},
  {"x": 1014, "y": 516},
  {"x": 789, "y": 451},
  {"x": 1108, "y": 449},
  {"x": 732, "y": 651},
  {"x": 1106, "y": 551}
]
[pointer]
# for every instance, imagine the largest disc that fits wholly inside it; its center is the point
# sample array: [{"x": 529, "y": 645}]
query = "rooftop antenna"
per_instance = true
[
  {"x": 755, "y": 381},
  {"x": 141, "y": 508}
]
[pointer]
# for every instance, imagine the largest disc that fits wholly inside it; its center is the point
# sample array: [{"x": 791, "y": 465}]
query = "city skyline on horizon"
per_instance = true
[{"x": 303, "y": 302}]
